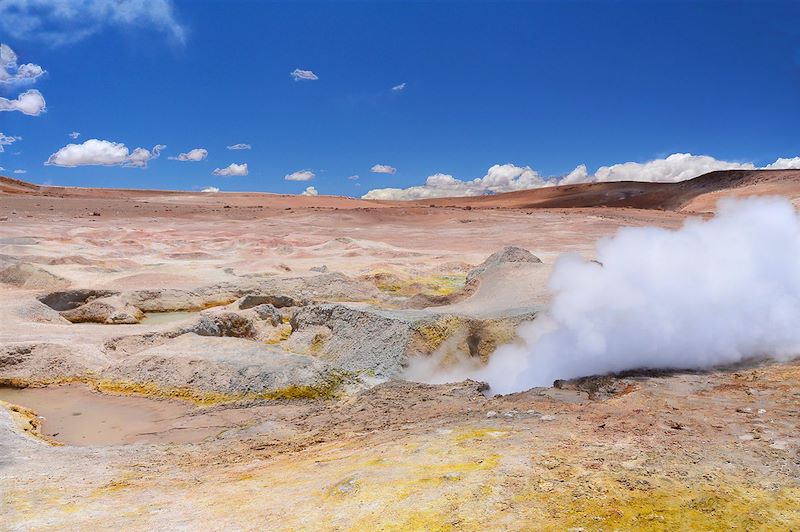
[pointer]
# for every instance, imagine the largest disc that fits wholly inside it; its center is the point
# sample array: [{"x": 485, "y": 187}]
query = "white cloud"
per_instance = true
[
  {"x": 383, "y": 169},
  {"x": 59, "y": 22},
  {"x": 197, "y": 154},
  {"x": 210, "y": 189},
  {"x": 74, "y": 135},
  {"x": 499, "y": 178},
  {"x": 398, "y": 88},
  {"x": 298, "y": 74},
  {"x": 300, "y": 175},
  {"x": 508, "y": 178},
  {"x": 310, "y": 191},
  {"x": 6, "y": 140},
  {"x": 30, "y": 102},
  {"x": 240, "y": 146},
  {"x": 784, "y": 164},
  {"x": 676, "y": 167},
  {"x": 13, "y": 73},
  {"x": 20, "y": 171},
  {"x": 232, "y": 169},
  {"x": 353, "y": 177},
  {"x": 94, "y": 152}
]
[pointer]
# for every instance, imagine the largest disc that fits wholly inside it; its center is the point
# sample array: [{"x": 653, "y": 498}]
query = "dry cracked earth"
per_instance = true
[{"x": 237, "y": 361}]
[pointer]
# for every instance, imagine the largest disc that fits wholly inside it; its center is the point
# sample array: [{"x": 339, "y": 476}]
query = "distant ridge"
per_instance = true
[
  {"x": 9, "y": 185},
  {"x": 694, "y": 195}
]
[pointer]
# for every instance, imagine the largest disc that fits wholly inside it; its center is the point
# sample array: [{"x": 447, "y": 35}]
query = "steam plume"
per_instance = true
[{"x": 711, "y": 293}]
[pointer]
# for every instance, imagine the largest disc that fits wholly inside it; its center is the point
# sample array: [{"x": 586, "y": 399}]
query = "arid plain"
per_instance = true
[{"x": 239, "y": 361}]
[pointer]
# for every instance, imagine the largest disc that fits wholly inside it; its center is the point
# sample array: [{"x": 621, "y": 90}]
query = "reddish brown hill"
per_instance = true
[
  {"x": 685, "y": 195},
  {"x": 15, "y": 186}
]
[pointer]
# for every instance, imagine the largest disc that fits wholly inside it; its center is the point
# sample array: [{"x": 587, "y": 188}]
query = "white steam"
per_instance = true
[{"x": 711, "y": 293}]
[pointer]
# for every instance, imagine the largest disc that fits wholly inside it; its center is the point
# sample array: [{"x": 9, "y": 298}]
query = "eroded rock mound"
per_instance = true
[
  {"x": 45, "y": 362},
  {"x": 108, "y": 310},
  {"x": 71, "y": 299},
  {"x": 223, "y": 365},
  {"x": 508, "y": 254},
  {"x": 366, "y": 339},
  {"x": 30, "y": 277}
]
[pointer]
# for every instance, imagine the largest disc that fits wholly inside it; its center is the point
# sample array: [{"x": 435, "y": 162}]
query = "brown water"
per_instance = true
[
  {"x": 160, "y": 318},
  {"x": 76, "y": 415}
]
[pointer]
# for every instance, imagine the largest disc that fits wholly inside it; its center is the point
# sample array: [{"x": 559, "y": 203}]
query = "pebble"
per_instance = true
[
  {"x": 761, "y": 411},
  {"x": 745, "y": 410},
  {"x": 491, "y": 413},
  {"x": 548, "y": 417}
]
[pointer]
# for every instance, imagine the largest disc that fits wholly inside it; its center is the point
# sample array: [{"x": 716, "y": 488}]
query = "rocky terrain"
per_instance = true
[{"x": 259, "y": 345}]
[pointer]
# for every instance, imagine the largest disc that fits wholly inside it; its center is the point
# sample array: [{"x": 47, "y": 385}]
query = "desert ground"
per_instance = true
[{"x": 177, "y": 360}]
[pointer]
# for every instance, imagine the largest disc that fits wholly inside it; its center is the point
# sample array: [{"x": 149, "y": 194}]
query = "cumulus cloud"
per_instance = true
[
  {"x": 398, "y": 88},
  {"x": 300, "y": 175},
  {"x": 95, "y": 152},
  {"x": 499, "y": 178},
  {"x": 240, "y": 146},
  {"x": 676, "y": 167},
  {"x": 20, "y": 171},
  {"x": 383, "y": 169},
  {"x": 298, "y": 74},
  {"x": 210, "y": 189},
  {"x": 30, "y": 102},
  {"x": 784, "y": 164},
  {"x": 74, "y": 135},
  {"x": 60, "y": 22},
  {"x": 7, "y": 140},
  {"x": 310, "y": 191},
  {"x": 232, "y": 169},
  {"x": 197, "y": 154},
  {"x": 12, "y": 73},
  {"x": 509, "y": 178}
]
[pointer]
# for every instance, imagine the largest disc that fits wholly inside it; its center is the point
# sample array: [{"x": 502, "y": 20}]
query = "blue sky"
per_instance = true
[{"x": 537, "y": 87}]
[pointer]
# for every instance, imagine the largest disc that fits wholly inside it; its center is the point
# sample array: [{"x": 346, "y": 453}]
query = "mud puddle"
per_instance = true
[
  {"x": 160, "y": 318},
  {"x": 74, "y": 414}
]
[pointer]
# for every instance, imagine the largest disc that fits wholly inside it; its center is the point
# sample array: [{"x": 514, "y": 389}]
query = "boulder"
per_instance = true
[
  {"x": 108, "y": 310},
  {"x": 70, "y": 299}
]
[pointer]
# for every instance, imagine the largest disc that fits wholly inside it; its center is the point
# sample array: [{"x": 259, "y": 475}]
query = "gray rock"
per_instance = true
[
  {"x": 277, "y": 301},
  {"x": 45, "y": 361},
  {"x": 70, "y": 299},
  {"x": 109, "y": 310},
  {"x": 269, "y": 313},
  {"x": 224, "y": 365},
  {"x": 506, "y": 255},
  {"x": 30, "y": 277},
  {"x": 366, "y": 339}
]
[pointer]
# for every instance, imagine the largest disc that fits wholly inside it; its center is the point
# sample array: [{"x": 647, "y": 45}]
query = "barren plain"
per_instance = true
[{"x": 180, "y": 360}]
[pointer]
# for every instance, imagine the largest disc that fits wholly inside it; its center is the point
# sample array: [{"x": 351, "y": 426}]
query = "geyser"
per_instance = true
[{"x": 711, "y": 293}]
